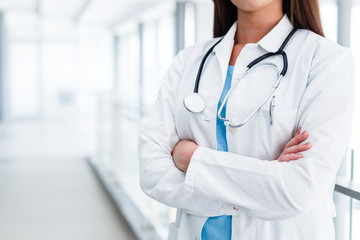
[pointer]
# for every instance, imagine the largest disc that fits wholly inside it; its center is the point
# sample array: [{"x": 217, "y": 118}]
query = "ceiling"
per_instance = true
[
  {"x": 55, "y": 19},
  {"x": 98, "y": 12}
]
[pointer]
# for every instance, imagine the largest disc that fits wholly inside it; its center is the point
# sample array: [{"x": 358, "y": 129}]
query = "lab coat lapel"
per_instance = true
[{"x": 224, "y": 49}]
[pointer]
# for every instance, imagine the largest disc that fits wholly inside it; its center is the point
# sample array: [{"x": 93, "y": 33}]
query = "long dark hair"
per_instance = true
[{"x": 303, "y": 14}]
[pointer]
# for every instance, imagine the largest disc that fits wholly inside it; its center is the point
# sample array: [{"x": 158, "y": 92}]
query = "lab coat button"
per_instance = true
[{"x": 235, "y": 210}]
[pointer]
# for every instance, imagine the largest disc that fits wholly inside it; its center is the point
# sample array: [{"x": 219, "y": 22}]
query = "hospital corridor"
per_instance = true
[
  {"x": 48, "y": 190},
  {"x": 78, "y": 82}
]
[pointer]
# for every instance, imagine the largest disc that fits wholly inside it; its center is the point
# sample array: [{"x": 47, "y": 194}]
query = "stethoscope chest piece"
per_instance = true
[{"x": 195, "y": 103}]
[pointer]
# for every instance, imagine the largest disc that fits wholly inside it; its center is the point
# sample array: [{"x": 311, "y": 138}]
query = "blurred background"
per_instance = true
[{"x": 77, "y": 79}]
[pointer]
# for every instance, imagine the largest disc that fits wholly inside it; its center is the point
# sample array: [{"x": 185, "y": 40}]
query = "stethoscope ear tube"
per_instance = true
[
  {"x": 278, "y": 52},
  {"x": 285, "y": 62},
  {"x": 259, "y": 59},
  {"x": 198, "y": 76},
  {"x": 267, "y": 55}
]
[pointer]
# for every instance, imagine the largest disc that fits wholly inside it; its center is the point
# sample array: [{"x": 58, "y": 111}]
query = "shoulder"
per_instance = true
[
  {"x": 195, "y": 51},
  {"x": 321, "y": 48},
  {"x": 330, "y": 64},
  {"x": 185, "y": 61}
]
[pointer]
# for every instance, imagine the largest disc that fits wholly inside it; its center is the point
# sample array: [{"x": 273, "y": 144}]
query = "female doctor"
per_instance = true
[{"x": 250, "y": 148}]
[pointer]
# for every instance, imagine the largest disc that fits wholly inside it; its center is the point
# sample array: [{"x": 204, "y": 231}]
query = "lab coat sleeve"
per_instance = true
[
  {"x": 159, "y": 177},
  {"x": 273, "y": 190}
]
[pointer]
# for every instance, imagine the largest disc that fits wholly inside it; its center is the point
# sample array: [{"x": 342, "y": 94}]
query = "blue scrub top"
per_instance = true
[{"x": 219, "y": 228}]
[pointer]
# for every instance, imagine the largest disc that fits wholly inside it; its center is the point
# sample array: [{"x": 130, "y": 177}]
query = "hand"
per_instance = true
[
  {"x": 293, "y": 148},
  {"x": 182, "y": 154}
]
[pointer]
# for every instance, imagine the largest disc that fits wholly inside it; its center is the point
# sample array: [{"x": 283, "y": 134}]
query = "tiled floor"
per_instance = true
[{"x": 47, "y": 191}]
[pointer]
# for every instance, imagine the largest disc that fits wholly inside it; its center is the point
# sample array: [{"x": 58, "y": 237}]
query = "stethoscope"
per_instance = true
[{"x": 195, "y": 103}]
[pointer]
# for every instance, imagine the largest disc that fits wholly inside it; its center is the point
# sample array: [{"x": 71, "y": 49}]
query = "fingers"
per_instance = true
[
  {"x": 293, "y": 148},
  {"x": 298, "y": 139},
  {"x": 292, "y": 153},
  {"x": 298, "y": 148},
  {"x": 290, "y": 157}
]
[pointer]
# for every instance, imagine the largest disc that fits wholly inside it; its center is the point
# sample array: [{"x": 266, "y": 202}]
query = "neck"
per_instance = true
[{"x": 253, "y": 26}]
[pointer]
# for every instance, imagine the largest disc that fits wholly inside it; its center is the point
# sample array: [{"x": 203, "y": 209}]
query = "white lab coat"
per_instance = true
[{"x": 267, "y": 199}]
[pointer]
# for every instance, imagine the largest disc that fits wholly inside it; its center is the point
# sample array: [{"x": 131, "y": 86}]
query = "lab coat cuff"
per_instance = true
[{"x": 192, "y": 171}]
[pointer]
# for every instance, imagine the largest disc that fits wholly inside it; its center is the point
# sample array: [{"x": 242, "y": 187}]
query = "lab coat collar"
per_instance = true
[
  {"x": 272, "y": 41},
  {"x": 227, "y": 42},
  {"x": 224, "y": 49}
]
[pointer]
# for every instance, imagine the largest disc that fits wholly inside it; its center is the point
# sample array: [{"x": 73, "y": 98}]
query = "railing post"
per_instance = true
[
  {"x": 344, "y": 22},
  {"x": 115, "y": 65},
  {"x": 180, "y": 26},
  {"x": 2, "y": 68},
  {"x": 141, "y": 65},
  {"x": 342, "y": 203}
]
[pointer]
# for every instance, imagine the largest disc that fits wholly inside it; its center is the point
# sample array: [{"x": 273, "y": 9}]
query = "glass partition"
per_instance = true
[
  {"x": 355, "y": 233},
  {"x": 355, "y": 50},
  {"x": 329, "y": 18},
  {"x": 129, "y": 67},
  {"x": 121, "y": 117}
]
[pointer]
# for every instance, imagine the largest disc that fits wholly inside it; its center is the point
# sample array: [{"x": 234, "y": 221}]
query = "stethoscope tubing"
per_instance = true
[
  {"x": 198, "y": 76},
  {"x": 274, "y": 87},
  {"x": 250, "y": 66}
]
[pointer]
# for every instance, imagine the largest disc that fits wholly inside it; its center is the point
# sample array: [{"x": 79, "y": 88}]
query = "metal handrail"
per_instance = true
[{"x": 347, "y": 187}]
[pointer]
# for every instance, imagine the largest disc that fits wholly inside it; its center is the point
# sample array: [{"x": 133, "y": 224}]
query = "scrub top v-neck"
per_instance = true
[{"x": 219, "y": 228}]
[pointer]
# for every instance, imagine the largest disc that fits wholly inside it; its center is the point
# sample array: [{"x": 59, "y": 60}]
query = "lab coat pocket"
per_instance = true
[
  {"x": 276, "y": 230},
  {"x": 174, "y": 226},
  {"x": 173, "y": 231},
  {"x": 276, "y": 128}
]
